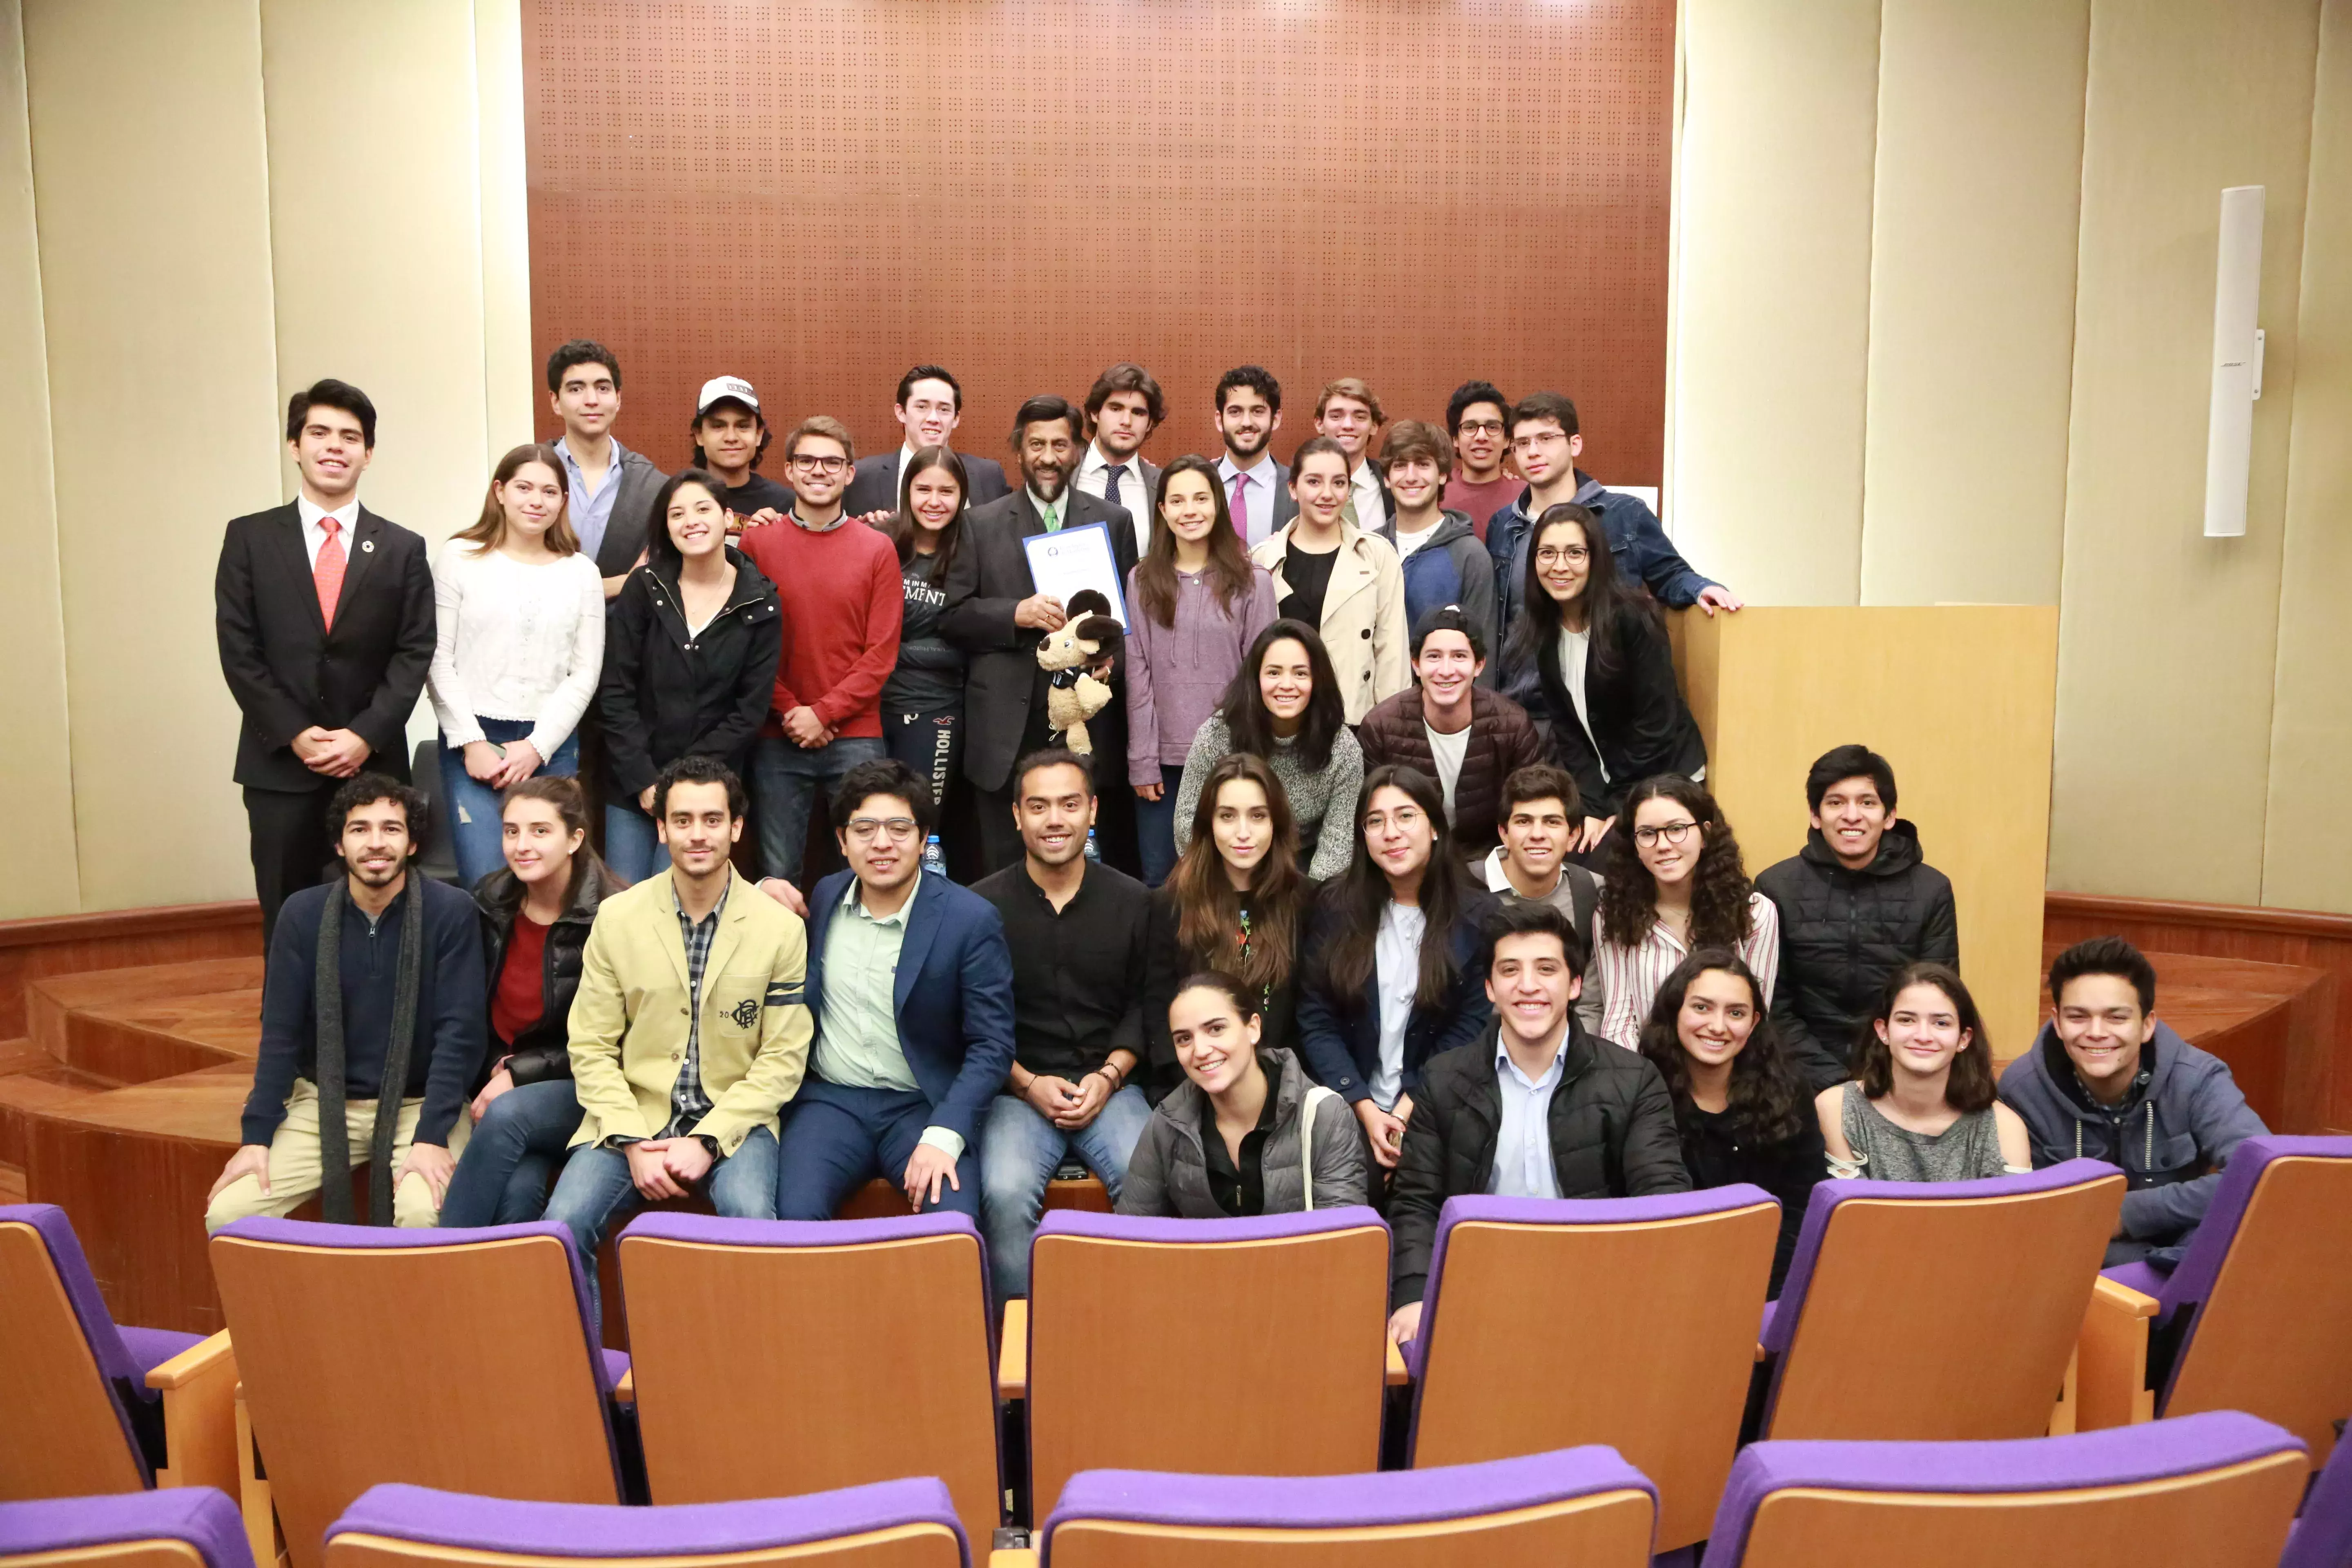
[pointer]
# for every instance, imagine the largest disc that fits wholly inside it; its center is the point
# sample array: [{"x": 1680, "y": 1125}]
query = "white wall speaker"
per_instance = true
[{"x": 2237, "y": 362}]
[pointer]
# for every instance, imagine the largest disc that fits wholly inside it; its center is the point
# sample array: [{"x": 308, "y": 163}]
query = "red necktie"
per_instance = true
[{"x": 326, "y": 572}]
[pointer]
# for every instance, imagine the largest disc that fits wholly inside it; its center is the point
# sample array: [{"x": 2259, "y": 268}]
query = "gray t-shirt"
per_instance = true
[{"x": 1967, "y": 1150}]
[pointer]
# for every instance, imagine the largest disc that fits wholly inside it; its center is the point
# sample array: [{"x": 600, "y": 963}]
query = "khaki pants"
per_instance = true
[{"x": 295, "y": 1171}]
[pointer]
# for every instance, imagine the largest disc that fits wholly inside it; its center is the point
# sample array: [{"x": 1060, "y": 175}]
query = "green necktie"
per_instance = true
[
  {"x": 1347, "y": 511},
  {"x": 1053, "y": 516}
]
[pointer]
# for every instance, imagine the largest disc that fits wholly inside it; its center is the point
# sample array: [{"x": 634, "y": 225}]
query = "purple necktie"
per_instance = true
[{"x": 1240, "y": 506}]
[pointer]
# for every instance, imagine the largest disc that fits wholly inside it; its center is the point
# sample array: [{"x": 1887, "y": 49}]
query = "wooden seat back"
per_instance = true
[
  {"x": 372, "y": 1356},
  {"x": 1511, "y": 1291},
  {"x": 1939, "y": 1312},
  {"x": 62, "y": 1434},
  {"x": 774, "y": 1358},
  {"x": 1233, "y": 1347}
]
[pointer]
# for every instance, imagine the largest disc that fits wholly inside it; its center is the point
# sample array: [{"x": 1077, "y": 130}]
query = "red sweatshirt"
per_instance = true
[{"x": 843, "y": 602}]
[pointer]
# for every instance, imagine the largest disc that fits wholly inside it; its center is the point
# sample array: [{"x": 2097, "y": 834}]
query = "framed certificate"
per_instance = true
[{"x": 1062, "y": 563}]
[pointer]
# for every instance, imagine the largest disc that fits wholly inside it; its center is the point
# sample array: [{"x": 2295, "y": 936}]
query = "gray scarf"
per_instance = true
[{"x": 334, "y": 1133}]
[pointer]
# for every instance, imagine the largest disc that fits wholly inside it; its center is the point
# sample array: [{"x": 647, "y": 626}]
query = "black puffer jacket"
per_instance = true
[
  {"x": 1612, "y": 1136},
  {"x": 667, "y": 693},
  {"x": 544, "y": 1051},
  {"x": 1842, "y": 933}
]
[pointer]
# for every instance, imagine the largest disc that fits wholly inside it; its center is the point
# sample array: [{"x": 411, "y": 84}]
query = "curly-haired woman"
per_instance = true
[{"x": 1674, "y": 883}]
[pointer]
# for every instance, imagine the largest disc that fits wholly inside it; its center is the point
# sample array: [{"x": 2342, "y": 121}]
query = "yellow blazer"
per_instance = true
[
  {"x": 629, "y": 1016},
  {"x": 1363, "y": 616}
]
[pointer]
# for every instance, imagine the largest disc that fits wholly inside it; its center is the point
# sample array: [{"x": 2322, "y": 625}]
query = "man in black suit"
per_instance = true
[
  {"x": 929, "y": 407},
  {"x": 996, "y": 614},
  {"x": 1257, "y": 488},
  {"x": 325, "y": 617}
]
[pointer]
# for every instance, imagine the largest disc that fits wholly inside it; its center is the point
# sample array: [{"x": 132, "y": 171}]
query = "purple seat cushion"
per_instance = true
[
  {"x": 1333, "y": 1502},
  {"x": 592, "y": 1530},
  {"x": 198, "y": 1515},
  {"x": 716, "y": 1231},
  {"x": 2143, "y": 1278},
  {"x": 1476, "y": 1209},
  {"x": 1781, "y": 1328},
  {"x": 2321, "y": 1538},
  {"x": 616, "y": 1365},
  {"x": 150, "y": 1348},
  {"x": 1261, "y": 1228},
  {"x": 2118, "y": 1457}
]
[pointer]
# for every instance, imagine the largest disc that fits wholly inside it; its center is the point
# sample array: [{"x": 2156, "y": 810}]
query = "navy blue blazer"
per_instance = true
[
  {"x": 953, "y": 993},
  {"x": 1341, "y": 1045}
]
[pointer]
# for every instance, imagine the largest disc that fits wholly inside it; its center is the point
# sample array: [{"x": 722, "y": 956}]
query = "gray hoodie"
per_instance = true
[
  {"x": 1168, "y": 1174},
  {"x": 2171, "y": 1135}
]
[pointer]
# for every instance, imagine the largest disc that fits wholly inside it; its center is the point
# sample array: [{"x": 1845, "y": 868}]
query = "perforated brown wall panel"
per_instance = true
[{"x": 817, "y": 195}]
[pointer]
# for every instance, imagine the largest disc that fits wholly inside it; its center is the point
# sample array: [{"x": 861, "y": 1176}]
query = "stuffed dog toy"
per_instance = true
[{"x": 1079, "y": 657}]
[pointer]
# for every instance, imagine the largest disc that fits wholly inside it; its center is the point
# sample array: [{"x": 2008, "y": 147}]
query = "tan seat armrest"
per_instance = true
[
  {"x": 1014, "y": 1557},
  {"x": 1398, "y": 1373},
  {"x": 199, "y": 1388},
  {"x": 2111, "y": 1359},
  {"x": 625, "y": 1391},
  {"x": 211, "y": 1358},
  {"x": 1012, "y": 1356}
]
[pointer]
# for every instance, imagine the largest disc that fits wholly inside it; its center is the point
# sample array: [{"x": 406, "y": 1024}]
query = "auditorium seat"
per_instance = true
[
  {"x": 1661, "y": 1295},
  {"x": 121, "y": 1409},
  {"x": 1583, "y": 1506},
  {"x": 1236, "y": 1346},
  {"x": 891, "y": 1524},
  {"x": 873, "y": 1335},
  {"x": 2212, "y": 1491},
  {"x": 1936, "y": 1311},
  {"x": 185, "y": 1527},
  {"x": 2254, "y": 1316},
  {"x": 455, "y": 1358},
  {"x": 2321, "y": 1538}
]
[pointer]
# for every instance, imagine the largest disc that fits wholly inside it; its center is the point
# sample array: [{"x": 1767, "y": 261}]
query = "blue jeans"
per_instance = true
[
  {"x": 784, "y": 781},
  {"x": 517, "y": 1147},
  {"x": 1155, "y": 828},
  {"x": 476, "y": 832},
  {"x": 633, "y": 845},
  {"x": 594, "y": 1193},
  {"x": 837, "y": 1139},
  {"x": 1022, "y": 1152}
]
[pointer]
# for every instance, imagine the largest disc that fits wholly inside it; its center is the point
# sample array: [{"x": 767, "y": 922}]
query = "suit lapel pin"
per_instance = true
[{"x": 367, "y": 547}]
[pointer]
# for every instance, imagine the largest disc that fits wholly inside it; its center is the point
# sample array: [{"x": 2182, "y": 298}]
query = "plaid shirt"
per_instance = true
[{"x": 689, "y": 1104}]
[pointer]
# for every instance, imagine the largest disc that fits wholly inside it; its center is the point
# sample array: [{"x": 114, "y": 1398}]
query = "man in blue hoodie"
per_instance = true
[{"x": 2106, "y": 1080}]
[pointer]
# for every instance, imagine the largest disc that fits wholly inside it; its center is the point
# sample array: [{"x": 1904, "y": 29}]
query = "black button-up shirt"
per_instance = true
[
  {"x": 1077, "y": 976},
  {"x": 1241, "y": 1191}
]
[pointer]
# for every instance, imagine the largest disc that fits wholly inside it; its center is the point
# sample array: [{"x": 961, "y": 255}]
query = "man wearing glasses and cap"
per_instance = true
[
  {"x": 838, "y": 583},
  {"x": 912, "y": 983},
  {"x": 730, "y": 436}
]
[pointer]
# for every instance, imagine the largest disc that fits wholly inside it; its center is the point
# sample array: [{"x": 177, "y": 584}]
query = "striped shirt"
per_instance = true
[{"x": 1631, "y": 977}]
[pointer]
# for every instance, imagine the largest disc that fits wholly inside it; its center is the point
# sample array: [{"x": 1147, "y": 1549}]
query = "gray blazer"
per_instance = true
[
  {"x": 1168, "y": 1174},
  {"x": 628, "y": 528}
]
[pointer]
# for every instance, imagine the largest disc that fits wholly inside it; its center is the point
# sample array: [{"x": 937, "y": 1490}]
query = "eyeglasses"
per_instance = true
[
  {"x": 1482, "y": 427},
  {"x": 1666, "y": 832},
  {"x": 1534, "y": 438},
  {"x": 1402, "y": 816},
  {"x": 1552, "y": 554},
  {"x": 821, "y": 464},
  {"x": 900, "y": 829}
]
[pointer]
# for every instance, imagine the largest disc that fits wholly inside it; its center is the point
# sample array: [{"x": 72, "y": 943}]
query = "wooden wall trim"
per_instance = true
[
  {"x": 2315, "y": 924},
  {"x": 46, "y": 931}
]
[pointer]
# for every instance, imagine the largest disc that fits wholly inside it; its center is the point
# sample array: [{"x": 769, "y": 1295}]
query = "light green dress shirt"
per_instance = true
[
  {"x": 857, "y": 1043},
  {"x": 1050, "y": 512}
]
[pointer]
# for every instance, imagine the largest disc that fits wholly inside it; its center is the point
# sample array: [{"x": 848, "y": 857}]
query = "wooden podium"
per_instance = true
[{"x": 1961, "y": 698}]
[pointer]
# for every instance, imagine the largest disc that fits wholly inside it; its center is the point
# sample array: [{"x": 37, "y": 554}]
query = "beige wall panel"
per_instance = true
[
  {"x": 1958, "y": 698},
  {"x": 1972, "y": 300},
  {"x": 2169, "y": 642},
  {"x": 2307, "y": 851},
  {"x": 375, "y": 226},
  {"x": 513, "y": 384},
  {"x": 151, "y": 184},
  {"x": 37, "y": 874},
  {"x": 1771, "y": 294}
]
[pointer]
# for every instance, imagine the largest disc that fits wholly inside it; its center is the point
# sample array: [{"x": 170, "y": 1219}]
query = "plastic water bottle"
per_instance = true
[
  {"x": 1092, "y": 853},
  {"x": 934, "y": 861}
]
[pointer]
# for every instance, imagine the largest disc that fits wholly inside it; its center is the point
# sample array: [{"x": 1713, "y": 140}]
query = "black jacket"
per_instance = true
[
  {"x": 1612, "y": 1136},
  {"x": 1639, "y": 720},
  {"x": 666, "y": 694},
  {"x": 1842, "y": 933},
  {"x": 987, "y": 580},
  {"x": 1789, "y": 1170},
  {"x": 287, "y": 671},
  {"x": 1340, "y": 1037},
  {"x": 629, "y": 526},
  {"x": 544, "y": 1048},
  {"x": 874, "y": 486}
]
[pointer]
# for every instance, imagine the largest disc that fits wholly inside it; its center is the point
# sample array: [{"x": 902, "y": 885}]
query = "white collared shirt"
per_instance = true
[
  {"x": 1260, "y": 492},
  {"x": 1522, "y": 1167},
  {"x": 313, "y": 536},
  {"x": 1396, "y": 976},
  {"x": 1371, "y": 515},
  {"x": 1094, "y": 477}
]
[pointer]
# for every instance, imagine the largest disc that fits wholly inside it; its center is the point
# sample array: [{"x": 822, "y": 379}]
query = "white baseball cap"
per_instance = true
[{"x": 719, "y": 387}]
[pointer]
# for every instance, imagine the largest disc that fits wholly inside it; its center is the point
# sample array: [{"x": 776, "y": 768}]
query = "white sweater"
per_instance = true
[{"x": 512, "y": 641}]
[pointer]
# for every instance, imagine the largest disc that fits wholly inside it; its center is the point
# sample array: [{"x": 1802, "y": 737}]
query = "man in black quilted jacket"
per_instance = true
[{"x": 1856, "y": 904}]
